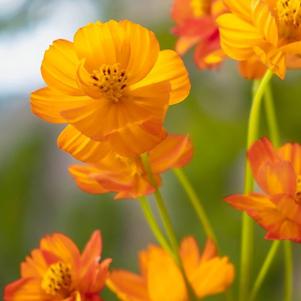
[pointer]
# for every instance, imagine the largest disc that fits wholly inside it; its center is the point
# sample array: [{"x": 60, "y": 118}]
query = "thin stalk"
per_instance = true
[
  {"x": 271, "y": 115},
  {"x": 195, "y": 202},
  {"x": 148, "y": 214},
  {"x": 247, "y": 225},
  {"x": 264, "y": 269},
  {"x": 288, "y": 287}
]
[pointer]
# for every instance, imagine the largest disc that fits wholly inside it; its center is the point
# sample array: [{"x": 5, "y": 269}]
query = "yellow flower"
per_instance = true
[
  {"x": 270, "y": 30},
  {"x": 111, "y": 82}
]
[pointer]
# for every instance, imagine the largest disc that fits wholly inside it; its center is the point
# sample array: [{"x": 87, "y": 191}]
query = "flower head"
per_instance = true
[
  {"x": 112, "y": 81},
  {"x": 195, "y": 25},
  {"x": 278, "y": 173},
  {"x": 57, "y": 271},
  {"x": 267, "y": 29},
  {"x": 115, "y": 173},
  {"x": 160, "y": 278}
]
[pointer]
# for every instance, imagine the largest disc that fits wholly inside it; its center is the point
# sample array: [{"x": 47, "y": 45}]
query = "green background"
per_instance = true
[{"x": 37, "y": 196}]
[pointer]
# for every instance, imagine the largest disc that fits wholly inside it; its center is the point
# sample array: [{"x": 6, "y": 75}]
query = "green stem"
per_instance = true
[
  {"x": 148, "y": 214},
  {"x": 271, "y": 115},
  {"x": 288, "y": 291},
  {"x": 247, "y": 225},
  {"x": 195, "y": 202},
  {"x": 166, "y": 221},
  {"x": 264, "y": 269}
]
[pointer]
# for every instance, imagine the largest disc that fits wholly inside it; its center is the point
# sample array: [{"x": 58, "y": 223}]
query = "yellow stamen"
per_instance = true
[
  {"x": 110, "y": 80},
  {"x": 57, "y": 280},
  {"x": 289, "y": 17},
  {"x": 200, "y": 7}
]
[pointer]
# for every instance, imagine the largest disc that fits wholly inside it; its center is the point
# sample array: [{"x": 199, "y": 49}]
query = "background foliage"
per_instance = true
[{"x": 37, "y": 196}]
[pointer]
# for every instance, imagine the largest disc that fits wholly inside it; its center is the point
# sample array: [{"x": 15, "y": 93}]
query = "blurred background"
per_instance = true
[{"x": 37, "y": 196}]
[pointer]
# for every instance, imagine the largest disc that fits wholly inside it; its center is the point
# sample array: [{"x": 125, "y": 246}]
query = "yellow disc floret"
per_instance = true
[
  {"x": 111, "y": 81},
  {"x": 289, "y": 18},
  {"x": 58, "y": 280}
]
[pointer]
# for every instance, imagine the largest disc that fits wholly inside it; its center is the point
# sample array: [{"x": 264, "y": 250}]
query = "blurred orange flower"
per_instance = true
[
  {"x": 57, "y": 271},
  {"x": 278, "y": 173},
  {"x": 160, "y": 278},
  {"x": 111, "y": 82},
  {"x": 127, "y": 176},
  {"x": 195, "y": 25},
  {"x": 267, "y": 29}
]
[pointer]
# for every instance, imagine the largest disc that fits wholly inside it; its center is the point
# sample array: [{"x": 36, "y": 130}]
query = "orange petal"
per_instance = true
[
  {"x": 252, "y": 68},
  {"x": 173, "y": 152},
  {"x": 128, "y": 286},
  {"x": 169, "y": 68},
  {"x": 170, "y": 280},
  {"x": 59, "y": 67},
  {"x": 81, "y": 147},
  {"x": 142, "y": 104},
  {"x": 190, "y": 255},
  {"x": 265, "y": 21},
  {"x": 269, "y": 215},
  {"x": 25, "y": 289},
  {"x": 210, "y": 250},
  {"x": 82, "y": 176},
  {"x": 238, "y": 37},
  {"x": 291, "y": 152},
  {"x": 277, "y": 178},
  {"x": 136, "y": 139},
  {"x": 260, "y": 153},
  {"x": 48, "y": 104},
  {"x": 184, "y": 43},
  {"x": 212, "y": 277},
  {"x": 241, "y": 8},
  {"x": 182, "y": 10},
  {"x": 61, "y": 246}
]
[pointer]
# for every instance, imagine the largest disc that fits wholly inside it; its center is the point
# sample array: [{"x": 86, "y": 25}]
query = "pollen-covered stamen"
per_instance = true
[
  {"x": 110, "y": 80},
  {"x": 298, "y": 191},
  {"x": 57, "y": 280},
  {"x": 289, "y": 17},
  {"x": 200, "y": 7}
]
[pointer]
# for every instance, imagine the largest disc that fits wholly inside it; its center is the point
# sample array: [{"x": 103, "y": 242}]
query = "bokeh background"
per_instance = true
[{"x": 37, "y": 196}]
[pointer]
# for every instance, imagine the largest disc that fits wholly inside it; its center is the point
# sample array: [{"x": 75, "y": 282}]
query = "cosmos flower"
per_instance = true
[
  {"x": 111, "y": 82},
  {"x": 267, "y": 29},
  {"x": 57, "y": 271},
  {"x": 160, "y": 278},
  {"x": 196, "y": 26},
  {"x": 278, "y": 173},
  {"x": 127, "y": 176}
]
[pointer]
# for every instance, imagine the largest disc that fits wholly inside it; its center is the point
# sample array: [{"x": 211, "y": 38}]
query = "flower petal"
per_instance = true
[
  {"x": 48, "y": 104},
  {"x": 25, "y": 289},
  {"x": 169, "y": 68},
  {"x": 128, "y": 286},
  {"x": 59, "y": 67},
  {"x": 81, "y": 147},
  {"x": 291, "y": 152},
  {"x": 173, "y": 152},
  {"x": 170, "y": 280},
  {"x": 241, "y": 8},
  {"x": 82, "y": 176}
]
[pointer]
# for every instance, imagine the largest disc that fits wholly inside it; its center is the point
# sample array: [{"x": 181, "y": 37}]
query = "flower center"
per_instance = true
[
  {"x": 110, "y": 80},
  {"x": 57, "y": 280},
  {"x": 200, "y": 7},
  {"x": 289, "y": 18}
]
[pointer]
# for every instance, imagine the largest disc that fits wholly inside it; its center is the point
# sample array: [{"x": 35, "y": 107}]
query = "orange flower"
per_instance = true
[
  {"x": 278, "y": 173},
  {"x": 195, "y": 25},
  {"x": 111, "y": 82},
  {"x": 123, "y": 175},
  {"x": 57, "y": 271},
  {"x": 160, "y": 278},
  {"x": 267, "y": 29}
]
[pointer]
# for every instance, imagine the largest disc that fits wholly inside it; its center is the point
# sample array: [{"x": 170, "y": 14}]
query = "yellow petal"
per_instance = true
[
  {"x": 171, "y": 69},
  {"x": 59, "y": 67}
]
